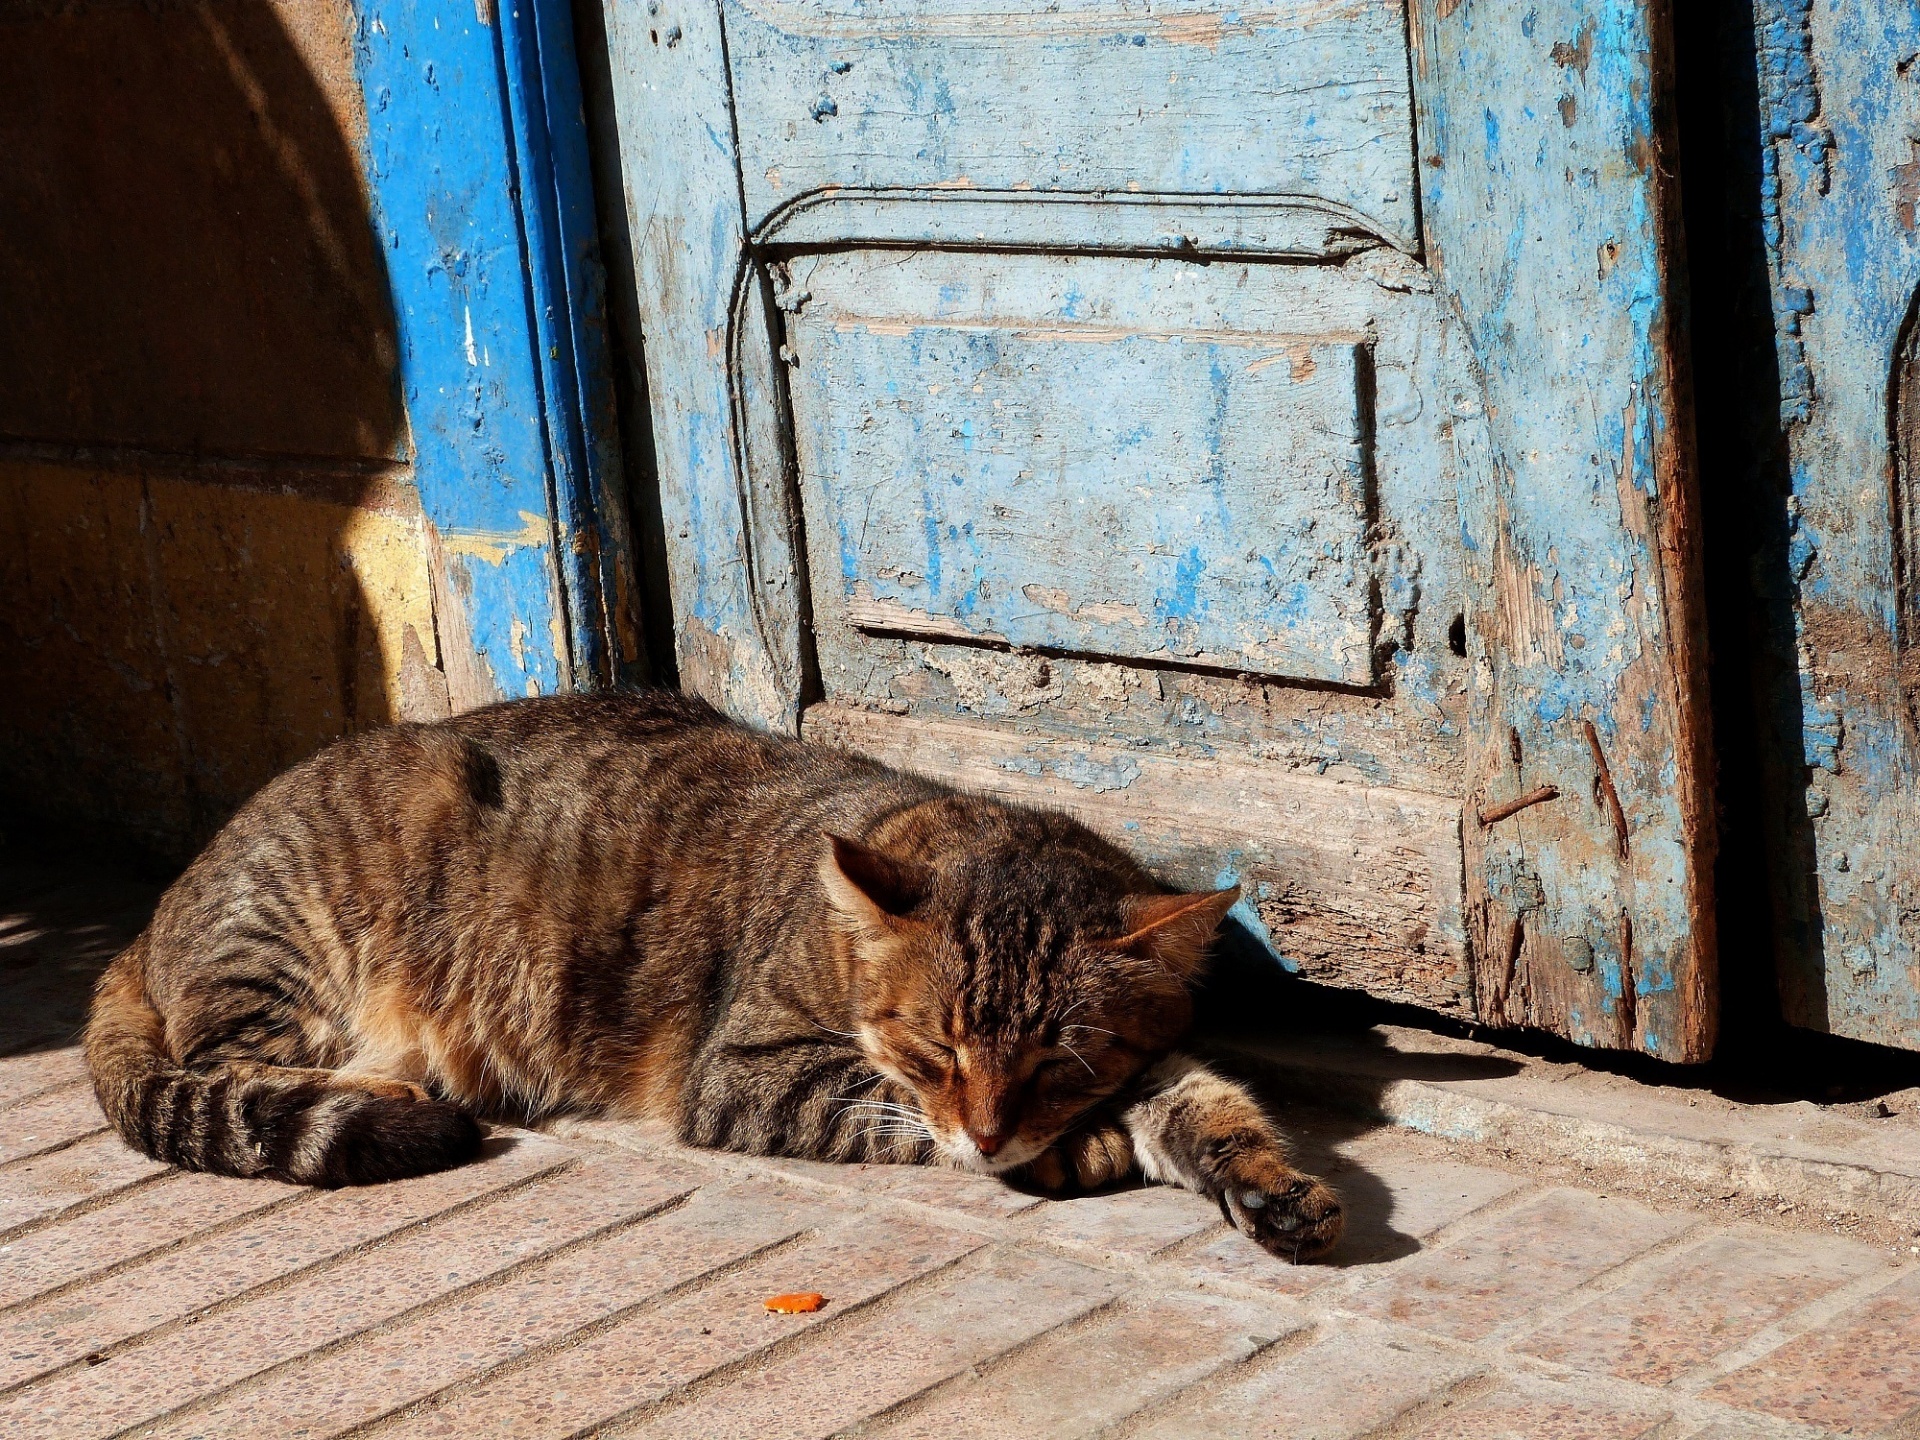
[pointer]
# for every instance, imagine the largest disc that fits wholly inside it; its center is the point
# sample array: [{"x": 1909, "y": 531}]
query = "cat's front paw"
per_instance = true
[
  {"x": 1084, "y": 1159},
  {"x": 1293, "y": 1216}
]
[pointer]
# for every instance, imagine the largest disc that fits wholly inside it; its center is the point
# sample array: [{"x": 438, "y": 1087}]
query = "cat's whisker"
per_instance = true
[
  {"x": 879, "y": 1111},
  {"x": 843, "y": 1034},
  {"x": 1095, "y": 1028},
  {"x": 913, "y": 1136},
  {"x": 1081, "y": 1058},
  {"x": 878, "y": 1104}
]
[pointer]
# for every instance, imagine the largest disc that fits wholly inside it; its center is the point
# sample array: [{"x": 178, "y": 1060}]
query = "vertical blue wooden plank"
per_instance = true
[
  {"x": 476, "y": 157},
  {"x": 723, "y": 481},
  {"x": 1839, "y": 215},
  {"x": 599, "y": 511},
  {"x": 568, "y": 306},
  {"x": 1549, "y": 224}
]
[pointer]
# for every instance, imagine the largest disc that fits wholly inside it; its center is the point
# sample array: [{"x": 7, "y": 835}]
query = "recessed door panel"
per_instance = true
[
  {"x": 1300, "y": 98},
  {"x": 1136, "y": 487}
]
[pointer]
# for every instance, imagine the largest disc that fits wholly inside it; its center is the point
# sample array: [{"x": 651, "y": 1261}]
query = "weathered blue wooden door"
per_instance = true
[
  {"x": 477, "y": 162},
  {"x": 1251, "y": 428},
  {"x": 1839, "y": 216}
]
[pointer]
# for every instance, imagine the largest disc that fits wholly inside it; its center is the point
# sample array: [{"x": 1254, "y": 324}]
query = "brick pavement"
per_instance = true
[
  {"x": 600, "y": 1281},
  {"x": 603, "y": 1281}
]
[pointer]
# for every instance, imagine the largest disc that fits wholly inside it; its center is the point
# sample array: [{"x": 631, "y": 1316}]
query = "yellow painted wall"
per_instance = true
[
  {"x": 177, "y": 642},
  {"x": 212, "y": 558}
]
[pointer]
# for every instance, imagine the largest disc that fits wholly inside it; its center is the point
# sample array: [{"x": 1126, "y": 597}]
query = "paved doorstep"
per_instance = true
[
  {"x": 1700, "y": 1302},
  {"x": 929, "y": 1334},
  {"x": 1859, "y": 1372},
  {"x": 1391, "y": 1209},
  {"x": 570, "y": 1283},
  {"x": 46, "y": 1185},
  {"x": 56, "y": 1118},
  {"x": 1126, "y": 1225},
  {"x": 1090, "y": 1375},
  {"x": 1342, "y": 1383},
  {"x": 475, "y": 1332},
  {"x": 34, "y": 1072},
  {"x": 1520, "y": 1260},
  {"x": 656, "y": 1352},
  {"x": 416, "y": 1266},
  {"x": 1531, "y": 1410},
  {"x": 141, "y": 1220},
  {"x": 64, "y": 1329}
]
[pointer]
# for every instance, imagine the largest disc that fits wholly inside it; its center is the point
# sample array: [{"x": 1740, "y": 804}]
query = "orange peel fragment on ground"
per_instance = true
[{"x": 804, "y": 1302}]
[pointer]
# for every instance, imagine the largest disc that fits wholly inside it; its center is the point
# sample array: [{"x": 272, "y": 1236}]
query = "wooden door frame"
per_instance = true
[
  {"x": 477, "y": 163},
  {"x": 1623, "y": 736}
]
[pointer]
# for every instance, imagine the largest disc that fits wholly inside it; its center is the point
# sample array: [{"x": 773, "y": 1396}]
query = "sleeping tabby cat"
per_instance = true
[{"x": 627, "y": 905}]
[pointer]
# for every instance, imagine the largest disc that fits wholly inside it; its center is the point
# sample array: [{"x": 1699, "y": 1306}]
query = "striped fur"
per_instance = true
[{"x": 626, "y": 905}]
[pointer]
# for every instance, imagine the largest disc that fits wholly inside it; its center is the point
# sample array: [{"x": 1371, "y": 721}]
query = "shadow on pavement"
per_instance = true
[
  {"x": 61, "y": 921},
  {"x": 1246, "y": 997}
]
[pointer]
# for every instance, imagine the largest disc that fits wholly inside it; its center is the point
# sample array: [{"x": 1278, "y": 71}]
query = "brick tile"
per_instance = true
[
  {"x": 408, "y": 1270},
  {"x": 1701, "y": 1302},
  {"x": 1077, "y": 1380},
  {"x": 169, "y": 1210},
  {"x": 1343, "y": 1384},
  {"x": 44, "y": 1185},
  {"x": 29, "y": 1074},
  {"x": 56, "y": 1118},
  {"x": 980, "y": 1197},
  {"x": 1859, "y": 1372},
  {"x": 62, "y": 1328},
  {"x": 1515, "y": 1263},
  {"x": 1394, "y": 1197},
  {"x": 1126, "y": 1224},
  {"x": 1389, "y": 1211},
  {"x": 872, "y": 1362},
  {"x": 602, "y": 1374},
  {"x": 1528, "y": 1410}
]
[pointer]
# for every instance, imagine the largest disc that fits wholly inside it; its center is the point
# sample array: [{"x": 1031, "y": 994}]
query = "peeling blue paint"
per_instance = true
[
  {"x": 1248, "y": 916},
  {"x": 506, "y": 389},
  {"x": 1547, "y": 226},
  {"x": 1013, "y": 436}
]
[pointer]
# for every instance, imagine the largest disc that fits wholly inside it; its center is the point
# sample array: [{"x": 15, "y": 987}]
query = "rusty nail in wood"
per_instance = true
[
  {"x": 1628, "y": 1023},
  {"x": 1608, "y": 795},
  {"x": 1495, "y": 813}
]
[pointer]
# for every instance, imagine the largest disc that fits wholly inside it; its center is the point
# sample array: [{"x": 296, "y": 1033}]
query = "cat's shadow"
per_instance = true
[{"x": 1248, "y": 1000}]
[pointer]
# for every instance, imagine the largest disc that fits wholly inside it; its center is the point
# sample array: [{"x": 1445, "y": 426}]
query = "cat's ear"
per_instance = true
[
  {"x": 871, "y": 887},
  {"x": 1175, "y": 930}
]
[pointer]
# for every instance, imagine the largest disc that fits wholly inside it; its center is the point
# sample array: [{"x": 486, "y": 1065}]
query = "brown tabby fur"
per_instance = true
[{"x": 626, "y": 905}]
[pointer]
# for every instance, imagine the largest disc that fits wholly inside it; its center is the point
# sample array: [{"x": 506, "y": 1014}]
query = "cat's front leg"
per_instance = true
[
  {"x": 1097, "y": 1152},
  {"x": 1204, "y": 1132},
  {"x": 804, "y": 1099}
]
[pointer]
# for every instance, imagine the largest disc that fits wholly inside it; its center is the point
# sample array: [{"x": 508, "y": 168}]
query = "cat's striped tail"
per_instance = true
[{"x": 242, "y": 1118}]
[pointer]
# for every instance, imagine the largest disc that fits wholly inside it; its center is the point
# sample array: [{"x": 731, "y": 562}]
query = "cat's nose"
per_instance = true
[{"x": 988, "y": 1142}]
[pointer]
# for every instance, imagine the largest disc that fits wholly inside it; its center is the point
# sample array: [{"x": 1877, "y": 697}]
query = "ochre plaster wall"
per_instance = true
[{"x": 212, "y": 556}]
